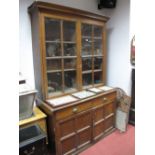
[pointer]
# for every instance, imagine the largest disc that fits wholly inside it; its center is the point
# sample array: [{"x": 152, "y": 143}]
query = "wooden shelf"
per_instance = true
[
  {"x": 53, "y": 71},
  {"x": 85, "y": 56},
  {"x": 69, "y": 42},
  {"x": 69, "y": 57},
  {"x": 98, "y": 38},
  {"x": 97, "y": 70},
  {"x": 61, "y": 57},
  {"x": 87, "y": 71},
  {"x": 72, "y": 69},
  {"x": 49, "y": 41},
  {"x": 51, "y": 58},
  {"x": 38, "y": 118},
  {"x": 37, "y": 115},
  {"x": 65, "y": 42}
]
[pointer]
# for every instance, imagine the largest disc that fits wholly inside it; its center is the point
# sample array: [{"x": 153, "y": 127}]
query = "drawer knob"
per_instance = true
[
  {"x": 75, "y": 110},
  {"x": 105, "y": 99}
]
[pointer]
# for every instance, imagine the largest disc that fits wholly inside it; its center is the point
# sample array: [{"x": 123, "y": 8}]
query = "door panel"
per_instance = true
[
  {"x": 98, "y": 130},
  {"x": 109, "y": 109},
  {"x": 68, "y": 145},
  {"x": 98, "y": 114},
  {"x": 109, "y": 123},
  {"x": 67, "y": 127},
  {"x": 84, "y": 137},
  {"x": 84, "y": 128},
  {"x": 83, "y": 120}
]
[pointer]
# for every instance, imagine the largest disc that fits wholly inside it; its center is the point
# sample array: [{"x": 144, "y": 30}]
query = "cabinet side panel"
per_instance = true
[
  {"x": 104, "y": 55},
  {"x": 36, "y": 52}
]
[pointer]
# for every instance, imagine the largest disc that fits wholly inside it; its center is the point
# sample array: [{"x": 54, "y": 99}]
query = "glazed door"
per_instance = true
[
  {"x": 92, "y": 54},
  {"x": 60, "y": 56}
]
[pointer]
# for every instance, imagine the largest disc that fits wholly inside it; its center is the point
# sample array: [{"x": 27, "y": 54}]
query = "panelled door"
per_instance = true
[
  {"x": 103, "y": 119},
  {"x": 74, "y": 132}
]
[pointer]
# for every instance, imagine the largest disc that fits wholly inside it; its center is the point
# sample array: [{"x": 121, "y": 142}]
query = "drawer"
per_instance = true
[
  {"x": 66, "y": 112},
  {"x": 104, "y": 99}
]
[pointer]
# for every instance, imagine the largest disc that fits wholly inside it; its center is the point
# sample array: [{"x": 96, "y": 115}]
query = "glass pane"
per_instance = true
[
  {"x": 97, "y": 31},
  {"x": 69, "y": 31},
  {"x": 52, "y": 29},
  {"x": 54, "y": 64},
  {"x": 54, "y": 82},
  {"x": 70, "y": 63},
  {"x": 86, "y": 46},
  {"x": 97, "y": 47},
  {"x": 87, "y": 79},
  {"x": 69, "y": 49},
  {"x": 97, "y": 77},
  {"x": 86, "y": 64},
  {"x": 53, "y": 49},
  {"x": 98, "y": 63},
  {"x": 87, "y": 30},
  {"x": 70, "y": 80}
]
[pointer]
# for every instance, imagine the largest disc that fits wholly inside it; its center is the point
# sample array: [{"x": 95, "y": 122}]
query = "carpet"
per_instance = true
[{"x": 115, "y": 144}]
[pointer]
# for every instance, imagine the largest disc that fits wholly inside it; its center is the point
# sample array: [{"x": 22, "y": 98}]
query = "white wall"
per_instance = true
[
  {"x": 118, "y": 47},
  {"x": 25, "y": 43},
  {"x": 118, "y": 64}
]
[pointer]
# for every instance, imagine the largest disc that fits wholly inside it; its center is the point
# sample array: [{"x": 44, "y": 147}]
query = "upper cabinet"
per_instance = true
[{"x": 68, "y": 49}]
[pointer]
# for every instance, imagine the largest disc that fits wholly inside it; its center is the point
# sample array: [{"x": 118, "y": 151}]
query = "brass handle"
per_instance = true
[
  {"x": 75, "y": 110},
  {"x": 105, "y": 99}
]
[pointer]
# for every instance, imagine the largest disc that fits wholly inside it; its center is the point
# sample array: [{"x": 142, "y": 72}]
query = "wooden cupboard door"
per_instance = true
[
  {"x": 98, "y": 130},
  {"x": 84, "y": 128},
  {"x": 68, "y": 145},
  {"x": 98, "y": 122},
  {"x": 66, "y": 136},
  {"x": 66, "y": 128},
  {"x": 98, "y": 114},
  {"x": 83, "y": 120},
  {"x": 109, "y": 109},
  {"x": 109, "y": 123},
  {"x": 84, "y": 137}
]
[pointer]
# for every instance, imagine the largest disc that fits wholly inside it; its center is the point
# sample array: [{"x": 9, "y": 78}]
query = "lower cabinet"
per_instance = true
[{"x": 79, "y": 125}]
